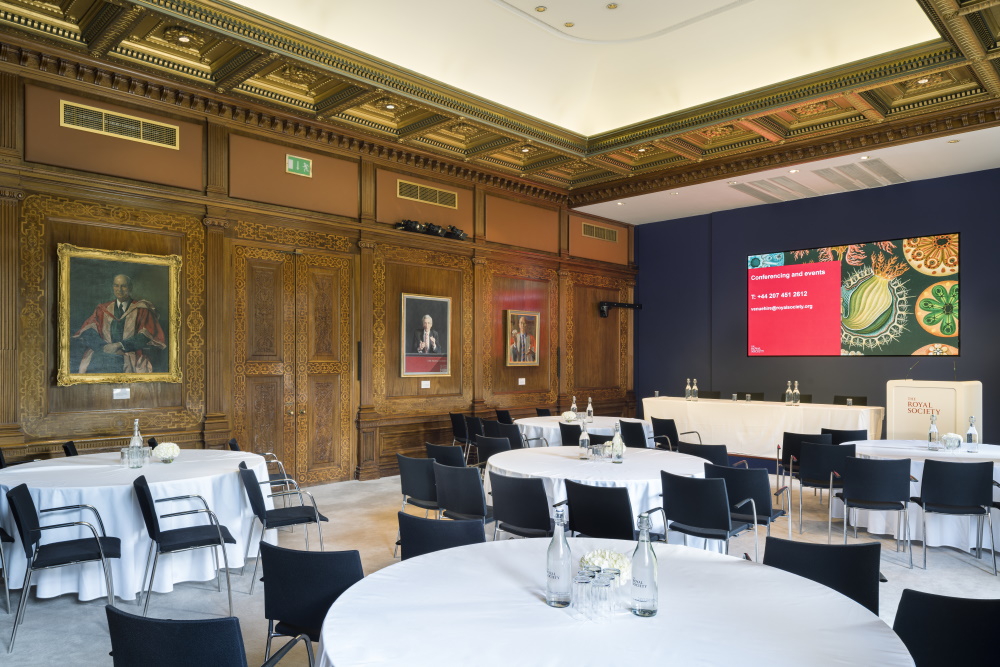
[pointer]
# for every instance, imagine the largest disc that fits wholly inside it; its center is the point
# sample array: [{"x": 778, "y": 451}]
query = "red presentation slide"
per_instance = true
[{"x": 794, "y": 310}]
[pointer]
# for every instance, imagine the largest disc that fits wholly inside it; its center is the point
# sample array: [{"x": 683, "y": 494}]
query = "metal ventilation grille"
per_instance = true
[
  {"x": 602, "y": 233},
  {"x": 99, "y": 121},
  {"x": 872, "y": 173},
  {"x": 422, "y": 193}
]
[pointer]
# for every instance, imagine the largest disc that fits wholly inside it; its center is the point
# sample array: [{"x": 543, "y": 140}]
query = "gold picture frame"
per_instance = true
[
  {"x": 522, "y": 346},
  {"x": 425, "y": 352},
  {"x": 112, "y": 326}
]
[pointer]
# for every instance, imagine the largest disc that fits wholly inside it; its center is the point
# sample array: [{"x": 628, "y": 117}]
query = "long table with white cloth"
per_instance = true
[
  {"x": 548, "y": 428},
  {"x": 100, "y": 480},
  {"x": 942, "y": 530},
  {"x": 488, "y": 600},
  {"x": 755, "y": 428}
]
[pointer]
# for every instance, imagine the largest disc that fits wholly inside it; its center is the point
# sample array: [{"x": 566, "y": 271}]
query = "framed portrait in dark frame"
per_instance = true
[{"x": 425, "y": 337}]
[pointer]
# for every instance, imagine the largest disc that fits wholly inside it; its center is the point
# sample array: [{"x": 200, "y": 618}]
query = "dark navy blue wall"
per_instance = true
[{"x": 692, "y": 286}]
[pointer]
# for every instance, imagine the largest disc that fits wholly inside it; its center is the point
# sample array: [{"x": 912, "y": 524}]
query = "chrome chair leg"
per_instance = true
[
  {"x": 993, "y": 546},
  {"x": 229, "y": 584},
  {"x": 924, "y": 513},
  {"x": 218, "y": 581},
  {"x": 149, "y": 591},
  {"x": 800, "y": 509},
  {"x": 305, "y": 528},
  {"x": 19, "y": 616},
  {"x": 145, "y": 573},
  {"x": 253, "y": 577},
  {"x": 395, "y": 550},
  {"x": 246, "y": 552},
  {"x": 6, "y": 576},
  {"x": 909, "y": 538}
]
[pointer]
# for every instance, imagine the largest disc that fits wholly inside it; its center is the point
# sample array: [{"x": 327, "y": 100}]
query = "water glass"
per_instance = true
[
  {"x": 735, "y": 397},
  {"x": 580, "y": 600},
  {"x": 124, "y": 457},
  {"x": 748, "y": 398},
  {"x": 656, "y": 393},
  {"x": 147, "y": 455},
  {"x": 850, "y": 402},
  {"x": 601, "y": 599}
]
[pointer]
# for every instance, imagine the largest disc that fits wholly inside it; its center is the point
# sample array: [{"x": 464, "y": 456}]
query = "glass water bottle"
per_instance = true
[
  {"x": 645, "y": 594},
  {"x": 590, "y": 410},
  {"x": 796, "y": 396},
  {"x": 584, "y": 442},
  {"x": 788, "y": 393},
  {"x": 573, "y": 409},
  {"x": 687, "y": 390},
  {"x": 933, "y": 437},
  {"x": 694, "y": 390},
  {"x": 972, "y": 437},
  {"x": 617, "y": 445},
  {"x": 559, "y": 565}
]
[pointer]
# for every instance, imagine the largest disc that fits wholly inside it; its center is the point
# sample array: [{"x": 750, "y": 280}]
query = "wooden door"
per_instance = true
[{"x": 293, "y": 390}]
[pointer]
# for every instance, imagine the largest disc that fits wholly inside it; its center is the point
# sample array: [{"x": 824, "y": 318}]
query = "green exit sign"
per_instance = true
[{"x": 299, "y": 166}]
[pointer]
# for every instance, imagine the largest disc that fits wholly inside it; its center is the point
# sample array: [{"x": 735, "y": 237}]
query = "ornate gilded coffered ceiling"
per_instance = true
[{"x": 215, "y": 48}]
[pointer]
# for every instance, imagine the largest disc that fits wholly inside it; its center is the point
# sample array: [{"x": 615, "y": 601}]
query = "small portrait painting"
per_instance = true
[
  {"x": 424, "y": 339},
  {"x": 522, "y": 338},
  {"x": 119, "y": 318}
]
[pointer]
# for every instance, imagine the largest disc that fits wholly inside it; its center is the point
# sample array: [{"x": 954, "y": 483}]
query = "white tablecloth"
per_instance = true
[
  {"x": 99, "y": 480},
  {"x": 942, "y": 530},
  {"x": 639, "y": 473},
  {"x": 755, "y": 428},
  {"x": 486, "y": 602},
  {"x": 548, "y": 428}
]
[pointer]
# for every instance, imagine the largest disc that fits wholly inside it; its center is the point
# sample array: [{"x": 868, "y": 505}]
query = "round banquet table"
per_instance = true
[
  {"x": 942, "y": 530},
  {"x": 99, "y": 480},
  {"x": 548, "y": 427},
  {"x": 639, "y": 473},
  {"x": 490, "y": 598}
]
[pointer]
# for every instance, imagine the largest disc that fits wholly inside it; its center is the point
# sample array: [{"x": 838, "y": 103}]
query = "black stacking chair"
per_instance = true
[
  {"x": 419, "y": 536},
  {"x": 599, "y": 511},
  {"x": 446, "y": 454},
  {"x": 849, "y": 569},
  {"x": 300, "y": 587},
  {"x": 705, "y": 393},
  {"x": 665, "y": 433},
  {"x": 162, "y": 642},
  {"x": 270, "y": 458},
  {"x": 503, "y": 416},
  {"x": 634, "y": 434},
  {"x": 69, "y": 449},
  {"x": 491, "y": 428},
  {"x": 517, "y": 440},
  {"x": 543, "y": 412},
  {"x": 570, "y": 434},
  {"x": 520, "y": 506},
  {"x": 940, "y": 630},
  {"x": 234, "y": 446},
  {"x": 211, "y": 535},
  {"x": 416, "y": 480},
  {"x": 473, "y": 429},
  {"x": 459, "y": 434},
  {"x": 39, "y": 556},
  {"x": 839, "y": 437},
  {"x": 4, "y": 540},
  {"x": 598, "y": 439},
  {"x": 460, "y": 493},
  {"x": 750, "y": 483},
  {"x": 3, "y": 460},
  {"x": 754, "y": 395},
  {"x": 296, "y": 515},
  {"x": 822, "y": 467},
  {"x": 877, "y": 484},
  {"x": 701, "y": 508},
  {"x": 716, "y": 454},
  {"x": 856, "y": 400},
  {"x": 959, "y": 489},
  {"x": 487, "y": 447},
  {"x": 790, "y": 449}
]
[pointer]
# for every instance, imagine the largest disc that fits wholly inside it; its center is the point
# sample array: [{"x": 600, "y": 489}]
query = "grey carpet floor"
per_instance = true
[{"x": 363, "y": 516}]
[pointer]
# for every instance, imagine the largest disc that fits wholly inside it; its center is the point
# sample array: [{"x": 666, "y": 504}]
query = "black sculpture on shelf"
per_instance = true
[{"x": 451, "y": 232}]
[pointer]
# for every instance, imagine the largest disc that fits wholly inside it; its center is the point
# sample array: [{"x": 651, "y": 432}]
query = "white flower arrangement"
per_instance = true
[
  {"x": 605, "y": 558},
  {"x": 569, "y": 416},
  {"x": 167, "y": 451}
]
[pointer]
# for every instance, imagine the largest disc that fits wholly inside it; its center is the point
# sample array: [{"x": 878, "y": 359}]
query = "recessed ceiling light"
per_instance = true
[
  {"x": 612, "y": 5},
  {"x": 621, "y": 203},
  {"x": 953, "y": 141},
  {"x": 793, "y": 171},
  {"x": 734, "y": 182},
  {"x": 390, "y": 107},
  {"x": 923, "y": 80},
  {"x": 569, "y": 24},
  {"x": 525, "y": 150},
  {"x": 675, "y": 193},
  {"x": 642, "y": 150},
  {"x": 184, "y": 39},
  {"x": 540, "y": 8},
  {"x": 864, "y": 157}
]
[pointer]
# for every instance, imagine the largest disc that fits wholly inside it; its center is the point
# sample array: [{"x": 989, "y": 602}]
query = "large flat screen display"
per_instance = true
[{"x": 895, "y": 298}]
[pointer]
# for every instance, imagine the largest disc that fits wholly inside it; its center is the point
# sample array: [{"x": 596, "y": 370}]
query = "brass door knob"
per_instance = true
[{"x": 302, "y": 411}]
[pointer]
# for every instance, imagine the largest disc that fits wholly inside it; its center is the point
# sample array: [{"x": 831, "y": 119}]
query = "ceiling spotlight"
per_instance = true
[
  {"x": 675, "y": 193},
  {"x": 642, "y": 150},
  {"x": 540, "y": 8},
  {"x": 569, "y": 24},
  {"x": 525, "y": 150},
  {"x": 390, "y": 106},
  {"x": 184, "y": 39},
  {"x": 612, "y": 5},
  {"x": 793, "y": 171},
  {"x": 923, "y": 80},
  {"x": 953, "y": 141},
  {"x": 864, "y": 157},
  {"x": 621, "y": 203},
  {"x": 734, "y": 182}
]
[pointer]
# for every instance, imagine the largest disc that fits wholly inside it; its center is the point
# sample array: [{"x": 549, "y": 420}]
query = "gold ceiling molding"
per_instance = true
[{"x": 246, "y": 69}]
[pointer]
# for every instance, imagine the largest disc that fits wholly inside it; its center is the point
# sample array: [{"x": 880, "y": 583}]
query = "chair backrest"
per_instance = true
[
  {"x": 665, "y": 428},
  {"x": 598, "y": 439},
  {"x": 520, "y": 501},
  {"x": 234, "y": 446},
  {"x": 941, "y": 630},
  {"x": 460, "y": 490},
  {"x": 696, "y": 502},
  {"x": 449, "y": 455},
  {"x": 839, "y": 437},
  {"x": 147, "y": 506},
  {"x": 957, "y": 484},
  {"x": 503, "y": 416},
  {"x": 22, "y": 506},
  {"x": 850, "y": 569},
  {"x": 152, "y": 442},
  {"x": 3, "y": 461},
  {"x": 300, "y": 586},
  {"x": 600, "y": 511},
  {"x": 419, "y": 536},
  {"x": 570, "y": 434},
  {"x": 457, "y": 425},
  {"x": 513, "y": 433},
  {"x": 705, "y": 393},
  {"x": 543, "y": 412},
  {"x": 163, "y": 642},
  {"x": 817, "y": 461},
  {"x": 742, "y": 483},
  {"x": 252, "y": 489},
  {"x": 487, "y": 447},
  {"x": 791, "y": 444},
  {"x": 69, "y": 449},
  {"x": 491, "y": 429},
  {"x": 633, "y": 433},
  {"x": 416, "y": 476},
  {"x": 717, "y": 454},
  {"x": 474, "y": 427},
  {"x": 856, "y": 400},
  {"x": 754, "y": 395},
  {"x": 877, "y": 480},
  {"x": 803, "y": 398}
]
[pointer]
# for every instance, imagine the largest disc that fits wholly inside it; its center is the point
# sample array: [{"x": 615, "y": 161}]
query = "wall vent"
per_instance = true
[
  {"x": 598, "y": 232},
  {"x": 100, "y": 121},
  {"x": 422, "y": 193}
]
